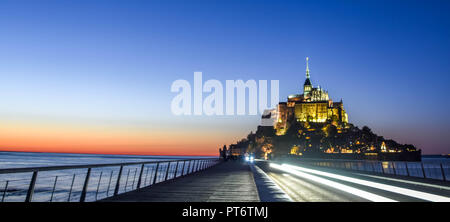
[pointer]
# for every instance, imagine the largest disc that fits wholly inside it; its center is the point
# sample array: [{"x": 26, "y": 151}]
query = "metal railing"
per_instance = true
[
  {"x": 438, "y": 171},
  {"x": 91, "y": 182}
]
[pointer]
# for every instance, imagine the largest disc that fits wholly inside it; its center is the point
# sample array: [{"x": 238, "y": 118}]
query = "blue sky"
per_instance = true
[{"x": 113, "y": 62}]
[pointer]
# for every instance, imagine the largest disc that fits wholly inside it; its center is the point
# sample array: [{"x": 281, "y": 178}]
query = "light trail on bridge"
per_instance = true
[
  {"x": 390, "y": 188},
  {"x": 330, "y": 180},
  {"x": 407, "y": 181},
  {"x": 339, "y": 186}
]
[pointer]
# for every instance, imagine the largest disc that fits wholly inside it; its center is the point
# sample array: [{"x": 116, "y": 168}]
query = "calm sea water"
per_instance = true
[{"x": 19, "y": 159}]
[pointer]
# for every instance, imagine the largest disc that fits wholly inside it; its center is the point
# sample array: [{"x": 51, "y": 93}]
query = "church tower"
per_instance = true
[{"x": 307, "y": 87}]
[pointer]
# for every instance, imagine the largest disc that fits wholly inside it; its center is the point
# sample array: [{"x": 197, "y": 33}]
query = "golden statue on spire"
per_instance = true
[{"x": 307, "y": 68}]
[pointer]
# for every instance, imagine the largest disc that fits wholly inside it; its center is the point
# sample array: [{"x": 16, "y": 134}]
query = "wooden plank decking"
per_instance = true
[{"x": 226, "y": 182}]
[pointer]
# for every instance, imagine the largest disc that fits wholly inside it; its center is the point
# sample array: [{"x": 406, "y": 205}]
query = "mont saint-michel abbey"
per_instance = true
[
  {"x": 311, "y": 125},
  {"x": 314, "y": 105}
]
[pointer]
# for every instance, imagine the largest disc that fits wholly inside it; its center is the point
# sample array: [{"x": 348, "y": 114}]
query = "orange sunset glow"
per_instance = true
[{"x": 73, "y": 138}]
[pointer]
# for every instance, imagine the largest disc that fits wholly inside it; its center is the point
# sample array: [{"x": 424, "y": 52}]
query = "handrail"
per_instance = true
[{"x": 66, "y": 167}]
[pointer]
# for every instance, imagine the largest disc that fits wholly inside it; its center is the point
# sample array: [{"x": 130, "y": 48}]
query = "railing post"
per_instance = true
[
  {"x": 196, "y": 165},
  {"x": 193, "y": 166},
  {"x": 134, "y": 179},
  {"x": 393, "y": 168},
  {"x": 382, "y": 167},
  {"x": 182, "y": 169},
  {"x": 116, "y": 190},
  {"x": 31, "y": 187},
  {"x": 126, "y": 182},
  {"x": 150, "y": 177},
  {"x": 176, "y": 170},
  {"x": 443, "y": 173},
  {"x": 423, "y": 171},
  {"x": 167, "y": 171},
  {"x": 5, "y": 190},
  {"x": 188, "y": 171},
  {"x": 71, "y": 186},
  {"x": 156, "y": 173},
  {"x": 140, "y": 177},
  {"x": 85, "y": 186},
  {"x": 98, "y": 185},
  {"x": 54, "y": 186},
  {"x": 109, "y": 183},
  {"x": 189, "y": 167},
  {"x": 407, "y": 170},
  {"x": 146, "y": 175}
]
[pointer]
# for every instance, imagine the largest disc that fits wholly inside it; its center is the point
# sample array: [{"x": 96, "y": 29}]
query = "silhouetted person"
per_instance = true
[{"x": 224, "y": 153}]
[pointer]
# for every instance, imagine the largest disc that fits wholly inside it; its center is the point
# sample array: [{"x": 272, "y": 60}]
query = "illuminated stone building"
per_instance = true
[{"x": 314, "y": 105}]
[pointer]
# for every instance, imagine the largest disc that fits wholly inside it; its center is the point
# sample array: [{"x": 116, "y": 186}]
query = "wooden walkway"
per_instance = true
[{"x": 226, "y": 182}]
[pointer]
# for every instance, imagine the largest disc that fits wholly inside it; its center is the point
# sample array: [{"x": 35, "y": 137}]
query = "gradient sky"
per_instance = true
[{"x": 95, "y": 76}]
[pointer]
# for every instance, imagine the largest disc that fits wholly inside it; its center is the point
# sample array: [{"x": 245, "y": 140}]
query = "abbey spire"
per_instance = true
[
  {"x": 307, "y": 86},
  {"x": 307, "y": 68}
]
